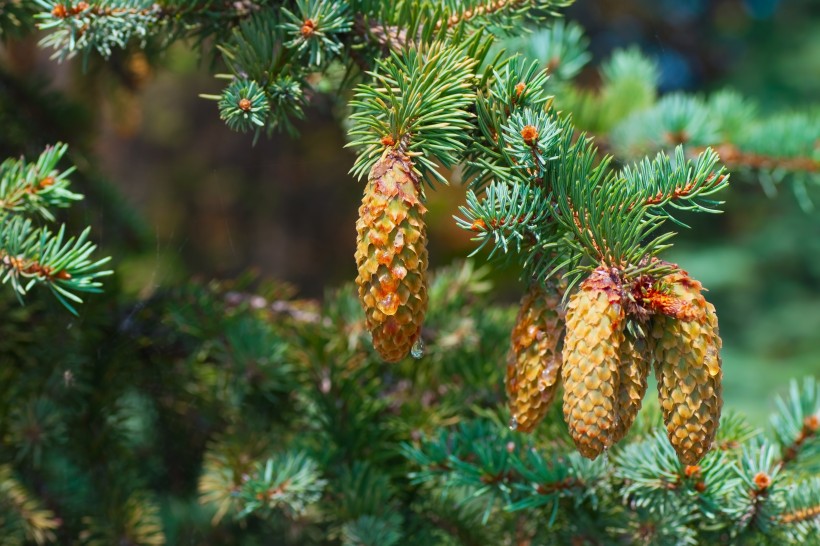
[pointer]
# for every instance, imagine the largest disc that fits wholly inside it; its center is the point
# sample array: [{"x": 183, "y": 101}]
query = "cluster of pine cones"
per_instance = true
[{"x": 603, "y": 366}]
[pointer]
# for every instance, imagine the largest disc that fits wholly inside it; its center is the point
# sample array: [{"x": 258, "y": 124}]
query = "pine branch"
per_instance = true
[
  {"x": 510, "y": 88},
  {"x": 289, "y": 482},
  {"x": 678, "y": 183},
  {"x": 32, "y": 255},
  {"x": 797, "y": 421},
  {"x": 628, "y": 84},
  {"x": 105, "y": 25},
  {"x": 736, "y": 159},
  {"x": 504, "y": 13},
  {"x": 36, "y": 523},
  {"x": 370, "y": 530},
  {"x": 644, "y": 487},
  {"x": 419, "y": 105},
  {"x": 137, "y": 520},
  {"x": 803, "y": 504},
  {"x": 314, "y": 31},
  {"x": 561, "y": 49},
  {"x": 100, "y": 26},
  {"x": 758, "y": 496},
  {"x": 32, "y": 189},
  {"x": 508, "y": 216}
]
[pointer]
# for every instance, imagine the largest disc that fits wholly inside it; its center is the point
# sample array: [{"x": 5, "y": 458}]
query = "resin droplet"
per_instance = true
[
  {"x": 398, "y": 241},
  {"x": 389, "y": 304},
  {"x": 513, "y": 424},
  {"x": 418, "y": 349}
]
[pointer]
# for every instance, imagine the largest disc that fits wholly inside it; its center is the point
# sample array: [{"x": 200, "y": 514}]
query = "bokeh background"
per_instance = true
[{"x": 173, "y": 194}]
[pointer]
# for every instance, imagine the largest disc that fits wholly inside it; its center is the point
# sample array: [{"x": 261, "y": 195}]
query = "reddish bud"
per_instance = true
[
  {"x": 308, "y": 28},
  {"x": 530, "y": 134},
  {"x": 762, "y": 481}
]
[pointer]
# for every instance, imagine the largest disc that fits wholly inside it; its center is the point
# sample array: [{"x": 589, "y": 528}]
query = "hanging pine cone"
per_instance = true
[
  {"x": 687, "y": 360},
  {"x": 534, "y": 360},
  {"x": 391, "y": 255},
  {"x": 634, "y": 358},
  {"x": 595, "y": 330}
]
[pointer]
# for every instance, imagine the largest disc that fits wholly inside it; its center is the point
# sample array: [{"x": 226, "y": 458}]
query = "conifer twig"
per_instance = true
[
  {"x": 736, "y": 158},
  {"x": 811, "y": 424}
]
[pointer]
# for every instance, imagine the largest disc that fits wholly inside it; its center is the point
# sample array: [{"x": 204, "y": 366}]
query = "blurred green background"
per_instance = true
[{"x": 199, "y": 200}]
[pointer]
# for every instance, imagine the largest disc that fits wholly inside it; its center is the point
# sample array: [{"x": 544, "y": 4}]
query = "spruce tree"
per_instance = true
[{"x": 408, "y": 409}]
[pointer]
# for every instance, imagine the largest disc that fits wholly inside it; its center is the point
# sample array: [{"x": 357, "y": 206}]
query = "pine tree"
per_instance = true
[{"x": 293, "y": 423}]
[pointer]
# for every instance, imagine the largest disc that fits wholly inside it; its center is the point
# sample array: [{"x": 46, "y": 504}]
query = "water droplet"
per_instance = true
[
  {"x": 513, "y": 423},
  {"x": 542, "y": 386},
  {"x": 418, "y": 349}
]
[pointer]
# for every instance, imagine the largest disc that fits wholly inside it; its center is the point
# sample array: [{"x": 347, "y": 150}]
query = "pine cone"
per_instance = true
[
  {"x": 634, "y": 357},
  {"x": 687, "y": 365},
  {"x": 534, "y": 360},
  {"x": 391, "y": 255},
  {"x": 595, "y": 331}
]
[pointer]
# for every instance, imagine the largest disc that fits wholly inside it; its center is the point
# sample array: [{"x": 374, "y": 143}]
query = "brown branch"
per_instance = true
[
  {"x": 758, "y": 495},
  {"x": 31, "y": 268},
  {"x": 479, "y": 11},
  {"x": 734, "y": 158},
  {"x": 65, "y": 10},
  {"x": 480, "y": 225},
  {"x": 802, "y": 514},
  {"x": 388, "y": 37},
  {"x": 685, "y": 191},
  {"x": 16, "y": 197},
  {"x": 563, "y": 485},
  {"x": 811, "y": 424}
]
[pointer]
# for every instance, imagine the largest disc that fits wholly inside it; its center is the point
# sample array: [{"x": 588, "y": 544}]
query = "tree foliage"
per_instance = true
[{"x": 225, "y": 412}]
